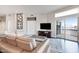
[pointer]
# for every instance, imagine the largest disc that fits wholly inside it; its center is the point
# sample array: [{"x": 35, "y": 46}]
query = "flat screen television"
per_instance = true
[{"x": 45, "y": 26}]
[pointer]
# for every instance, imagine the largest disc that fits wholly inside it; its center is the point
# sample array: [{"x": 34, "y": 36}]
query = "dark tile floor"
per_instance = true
[{"x": 63, "y": 46}]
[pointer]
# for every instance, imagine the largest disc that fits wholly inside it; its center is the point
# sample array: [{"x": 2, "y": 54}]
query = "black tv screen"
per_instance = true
[{"x": 45, "y": 26}]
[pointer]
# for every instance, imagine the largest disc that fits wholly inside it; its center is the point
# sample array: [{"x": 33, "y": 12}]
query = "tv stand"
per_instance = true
[{"x": 44, "y": 33}]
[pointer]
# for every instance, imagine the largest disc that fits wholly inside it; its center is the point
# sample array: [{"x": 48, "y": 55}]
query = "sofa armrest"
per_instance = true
[{"x": 26, "y": 45}]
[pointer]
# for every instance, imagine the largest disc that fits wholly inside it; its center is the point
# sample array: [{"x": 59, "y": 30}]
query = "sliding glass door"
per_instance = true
[{"x": 67, "y": 28}]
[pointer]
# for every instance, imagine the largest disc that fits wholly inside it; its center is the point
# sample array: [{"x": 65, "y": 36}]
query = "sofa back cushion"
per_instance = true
[
  {"x": 28, "y": 39},
  {"x": 3, "y": 39},
  {"x": 24, "y": 44},
  {"x": 11, "y": 37},
  {"x": 11, "y": 40}
]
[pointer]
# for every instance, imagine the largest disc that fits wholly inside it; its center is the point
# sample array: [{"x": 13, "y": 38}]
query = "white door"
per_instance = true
[{"x": 31, "y": 27}]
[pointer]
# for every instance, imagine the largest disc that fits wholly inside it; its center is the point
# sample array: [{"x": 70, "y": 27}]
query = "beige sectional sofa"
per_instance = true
[{"x": 15, "y": 44}]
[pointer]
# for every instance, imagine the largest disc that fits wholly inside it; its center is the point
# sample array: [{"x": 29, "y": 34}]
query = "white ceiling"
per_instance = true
[
  {"x": 38, "y": 9},
  {"x": 44, "y": 8}
]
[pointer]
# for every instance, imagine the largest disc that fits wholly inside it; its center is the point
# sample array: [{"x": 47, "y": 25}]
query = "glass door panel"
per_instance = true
[
  {"x": 67, "y": 28},
  {"x": 60, "y": 29},
  {"x": 71, "y": 28}
]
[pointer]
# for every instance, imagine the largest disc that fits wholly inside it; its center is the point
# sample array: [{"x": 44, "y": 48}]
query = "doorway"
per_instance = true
[{"x": 31, "y": 27}]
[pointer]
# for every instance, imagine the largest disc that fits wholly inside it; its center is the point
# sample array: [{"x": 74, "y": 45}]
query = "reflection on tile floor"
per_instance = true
[{"x": 63, "y": 46}]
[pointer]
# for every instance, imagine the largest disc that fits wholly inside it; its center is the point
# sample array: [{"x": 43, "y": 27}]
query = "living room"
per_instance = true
[
  {"x": 22, "y": 21},
  {"x": 35, "y": 24}
]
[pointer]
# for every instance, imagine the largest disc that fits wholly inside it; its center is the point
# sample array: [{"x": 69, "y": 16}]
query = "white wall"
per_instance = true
[
  {"x": 47, "y": 18},
  {"x": 51, "y": 19},
  {"x": 10, "y": 24},
  {"x": 2, "y": 24},
  {"x": 40, "y": 18}
]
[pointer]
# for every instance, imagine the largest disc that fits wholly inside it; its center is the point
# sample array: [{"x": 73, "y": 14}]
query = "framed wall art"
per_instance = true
[{"x": 19, "y": 21}]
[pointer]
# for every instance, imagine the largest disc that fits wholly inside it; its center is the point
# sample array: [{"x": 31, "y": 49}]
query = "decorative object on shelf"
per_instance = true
[{"x": 19, "y": 21}]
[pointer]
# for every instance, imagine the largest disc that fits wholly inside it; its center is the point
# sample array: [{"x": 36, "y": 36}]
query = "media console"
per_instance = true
[{"x": 44, "y": 33}]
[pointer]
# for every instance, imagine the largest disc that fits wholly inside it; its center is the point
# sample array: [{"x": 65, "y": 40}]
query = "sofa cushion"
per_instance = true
[
  {"x": 24, "y": 38},
  {"x": 28, "y": 39},
  {"x": 9, "y": 48},
  {"x": 11, "y": 40},
  {"x": 26, "y": 45}
]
